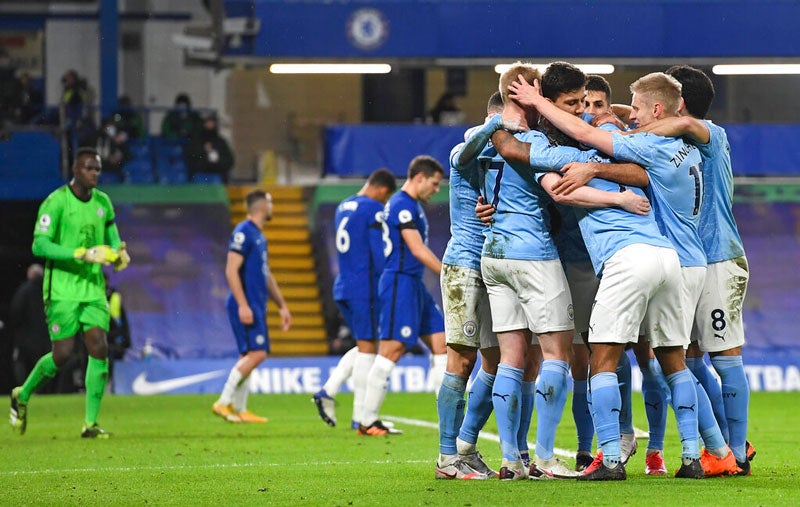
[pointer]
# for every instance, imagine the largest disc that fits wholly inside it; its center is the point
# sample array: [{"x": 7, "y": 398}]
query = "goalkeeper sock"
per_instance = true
[
  {"x": 96, "y": 378},
  {"x": 343, "y": 370},
  {"x": 226, "y": 397},
  {"x": 240, "y": 394},
  {"x": 44, "y": 370}
]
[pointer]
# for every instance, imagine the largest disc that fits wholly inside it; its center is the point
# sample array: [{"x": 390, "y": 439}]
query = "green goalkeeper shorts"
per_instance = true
[{"x": 66, "y": 318}]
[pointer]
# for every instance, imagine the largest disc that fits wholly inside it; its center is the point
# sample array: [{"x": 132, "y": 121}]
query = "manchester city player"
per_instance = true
[
  {"x": 408, "y": 312},
  {"x": 718, "y": 329},
  {"x": 527, "y": 289},
  {"x": 676, "y": 191},
  {"x": 468, "y": 322}
]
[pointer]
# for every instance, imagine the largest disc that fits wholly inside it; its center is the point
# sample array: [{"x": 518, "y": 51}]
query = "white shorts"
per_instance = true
[
  {"x": 527, "y": 295},
  {"x": 640, "y": 283},
  {"x": 693, "y": 280},
  {"x": 467, "y": 317},
  {"x": 718, "y": 322},
  {"x": 583, "y": 284}
]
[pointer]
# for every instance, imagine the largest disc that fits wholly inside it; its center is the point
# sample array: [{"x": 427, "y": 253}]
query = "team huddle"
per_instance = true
[{"x": 574, "y": 238}]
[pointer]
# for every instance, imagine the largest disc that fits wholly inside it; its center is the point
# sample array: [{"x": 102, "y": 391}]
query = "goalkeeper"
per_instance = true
[{"x": 76, "y": 235}]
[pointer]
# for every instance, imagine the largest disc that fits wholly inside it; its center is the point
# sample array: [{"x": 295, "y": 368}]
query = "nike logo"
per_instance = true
[{"x": 144, "y": 387}]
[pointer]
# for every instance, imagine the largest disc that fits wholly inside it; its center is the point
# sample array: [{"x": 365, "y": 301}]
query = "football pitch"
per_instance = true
[{"x": 171, "y": 450}]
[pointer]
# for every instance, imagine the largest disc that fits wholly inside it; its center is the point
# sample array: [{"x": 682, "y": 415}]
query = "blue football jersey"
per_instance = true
[
  {"x": 466, "y": 230},
  {"x": 607, "y": 230},
  {"x": 675, "y": 190},
  {"x": 248, "y": 240},
  {"x": 404, "y": 212},
  {"x": 718, "y": 230},
  {"x": 360, "y": 247},
  {"x": 520, "y": 229}
]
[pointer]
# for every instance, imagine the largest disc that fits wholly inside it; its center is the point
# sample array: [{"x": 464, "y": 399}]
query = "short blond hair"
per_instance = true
[
  {"x": 528, "y": 71},
  {"x": 661, "y": 88}
]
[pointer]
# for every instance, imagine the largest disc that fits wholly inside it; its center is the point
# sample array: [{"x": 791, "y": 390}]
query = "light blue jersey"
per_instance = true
[
  {"x": 466, "y": 230},
  {"x": 520, "y": 229},
  {"x": 608, "y": 230},
  {"x": 675, "y": 191},
  {"x": 718, "y": 231}
]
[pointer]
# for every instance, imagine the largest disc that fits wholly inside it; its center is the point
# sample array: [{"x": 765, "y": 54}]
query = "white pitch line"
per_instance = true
[
  {"x": 564, "y": 453},
  {"x": 13, "y": 473}
]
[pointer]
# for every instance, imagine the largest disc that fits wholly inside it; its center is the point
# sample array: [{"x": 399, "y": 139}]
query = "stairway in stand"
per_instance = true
[{"x": 292, "y": 262}]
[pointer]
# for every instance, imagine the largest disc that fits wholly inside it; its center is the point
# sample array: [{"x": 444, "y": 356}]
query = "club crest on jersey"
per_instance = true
[
  {"x": 469, "y": 328},
  {"x": 238, "y": 240},
  {"x": 44, "y": 222},
  {"x": 367, "y": 29},
  {"x": 260, "y": 339},
  {"x": 404, "y": 216},
  {"x": 405, "y": 331}
]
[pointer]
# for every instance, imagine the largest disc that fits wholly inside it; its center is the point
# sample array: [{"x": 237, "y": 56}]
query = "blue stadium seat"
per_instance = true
[
  {"x": 139, "y": 171},
  {"x": 140, "y": 149},
  {"x": 206, "y": 178},
  {"x": 109, "y": 177},
  {"x": 173, "y": 173}
]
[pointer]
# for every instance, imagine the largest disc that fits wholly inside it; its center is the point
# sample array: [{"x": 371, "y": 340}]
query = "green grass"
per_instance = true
[{"x": 170, "y": 450}]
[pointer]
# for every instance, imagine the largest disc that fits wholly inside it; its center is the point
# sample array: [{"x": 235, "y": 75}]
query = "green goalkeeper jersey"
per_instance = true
[{"x": 66, "y": 223}]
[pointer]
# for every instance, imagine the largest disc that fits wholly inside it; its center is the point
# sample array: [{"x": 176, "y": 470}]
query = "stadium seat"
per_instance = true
[
  {"x": 140, "y": 149},
  {"x": 173, "y": 173},
  {"x": 139, "y": 171},
  {"x": 109, "y": 177},
  {"x": 206, "y": 178}
]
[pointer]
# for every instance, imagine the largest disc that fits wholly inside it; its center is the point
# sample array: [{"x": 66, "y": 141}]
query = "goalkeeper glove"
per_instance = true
[
  {"x": 100, "y": 254},
  {"x": 123, "y": 259}
]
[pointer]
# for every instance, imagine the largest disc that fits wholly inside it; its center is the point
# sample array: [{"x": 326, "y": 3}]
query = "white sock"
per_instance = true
[
  {"x": 361, "y": 367},
  {"x": 465, "y": 447},
  {"x": 343, "y": 370},
  {"x": 436, "y": 374},
  {"x": 240, "y": 395},
  {"x": 377, "y": 385},
  {"x": 226, "y": 398}
]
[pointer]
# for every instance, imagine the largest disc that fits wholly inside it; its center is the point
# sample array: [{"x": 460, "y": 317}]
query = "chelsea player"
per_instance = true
[
  {"x": 408, "y": 311},
  {"x": 362, "y": 241},
  {"x": 251, "y": 282}
]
